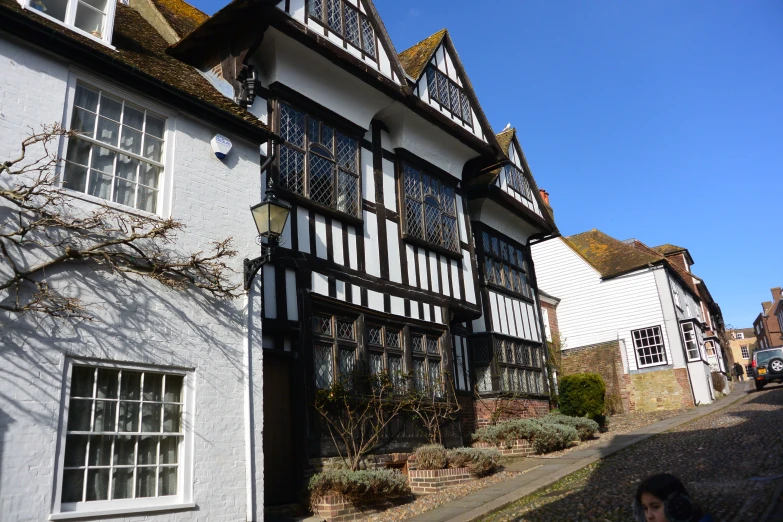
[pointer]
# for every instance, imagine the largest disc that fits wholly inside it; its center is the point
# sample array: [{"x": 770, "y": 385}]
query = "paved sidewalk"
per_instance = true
[{"x": 539, "y": 472}]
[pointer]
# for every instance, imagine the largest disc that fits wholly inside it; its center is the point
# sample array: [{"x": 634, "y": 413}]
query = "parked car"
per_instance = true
[{"x": 767, "y": 366}]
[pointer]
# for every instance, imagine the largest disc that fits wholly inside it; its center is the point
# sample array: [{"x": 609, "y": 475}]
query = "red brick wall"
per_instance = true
[
  {"x": 681, "y": 374},
  {"x": 510, "y": 408},
  {"x": 603, "y": 359}
]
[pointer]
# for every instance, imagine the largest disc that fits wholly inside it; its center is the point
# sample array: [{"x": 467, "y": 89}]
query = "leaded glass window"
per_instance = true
[
  {"x": 517, "y": 181},
  {"x": 334, "y": 350},
  {"x": 430, "y": 209},
  {"x": 505, "y": 264},
  {"x": 123, "y": 434},
  {"x": 385, "y": 352},
  {"x": 449, "y": 95},
  {"x": 318, "y": 162},
  {"x": 516, "y": 365},
  {"x": 427, "y": 364},
  {"x": 116, "y": 152},
  {"x": 345, "y": 20}
]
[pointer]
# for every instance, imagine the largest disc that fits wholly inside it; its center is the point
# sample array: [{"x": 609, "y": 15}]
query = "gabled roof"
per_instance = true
[
  {"x": 609, "y": 256},
  {"x": 139, "y": 55},
  {"x": 686, "y": 277},
  {"x": 415, "y": 59},
  {"x": 181, "y": 16},
  {"x": 669, "y": 249}
]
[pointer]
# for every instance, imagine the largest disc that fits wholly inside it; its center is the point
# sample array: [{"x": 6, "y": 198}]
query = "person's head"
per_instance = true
[{"x": 663, "y": 498}]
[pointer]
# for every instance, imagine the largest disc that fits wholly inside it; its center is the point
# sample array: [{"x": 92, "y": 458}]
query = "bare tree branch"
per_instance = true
[{"x": 44, "y": 229}]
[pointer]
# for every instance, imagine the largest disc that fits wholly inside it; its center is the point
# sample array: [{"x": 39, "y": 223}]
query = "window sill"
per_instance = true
[
  {"x": 68, "y": 515},
  {"x": 110, "y": 204},
  {"x": 321, "y": 209},
  {"x": 435, "y": 248}
]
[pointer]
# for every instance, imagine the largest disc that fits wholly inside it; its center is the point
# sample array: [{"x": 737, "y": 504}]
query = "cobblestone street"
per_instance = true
[{"x": 722, "y": 458}]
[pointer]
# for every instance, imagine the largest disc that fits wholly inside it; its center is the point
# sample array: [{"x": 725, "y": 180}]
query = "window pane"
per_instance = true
[
  {"x": 347, "y": 362},
  {"x": 172, "y": 415},
  {"x": 368, "y": 37},
  {"x": 321, "y": 180},
  {"x": 443, "y": 89},
  {"x": 85, "y": 97},
  {"x": 413, "y": 218},
  {"x": 323, "y": 366},
  {"x": 450, "y": 233},
  {"x": 292, "y": 170},
  {"x": 73, "y": 485},
  {"x": 124, "y": 192},
  {"x": 83, "y": 122},
  {"x": 316, "y": 8},
  {"x": 124, "y": 451},
  {"x": 417, "y": 343},
  {"x": 169, "y": 450},
  {"x": 153, "y": 386},
  {"x": 374, "y": 336},
  {"x": 292, "y": 126},
  {"x": 131, "y": 385},
  {"x": 89, "y": 20},
  {"x": 147, "y": 199},
  {"x": 167, "y": 484},
  {"x": 432, "y": 224},
  {"x": 322, "y": 325},
  {"x": 345, "y": 330},
  {"x": 173, "y": 389},
  {"x": 352, "y": 25},
  {"x": 79, "y": 413},
  {"x": 412, "y": 182},
  {"x": 153, "y": 148},
  {"x": 145, "y": 482},
  {"x": 392, "y": 338},
  {"x": 150, "y": 417},
  {"x": 432, "y": 346},
  {"x": 100, "y": 185},
  {"x": 75, "y": 177},
  {"x": 129, "y": 416},
  {"x": 395, "y": 371},
  {"x": 149, "y": 175},
  {"x": 107, "y": 384},
  {"x": 376, "y": 363},
  {"x": 81, "y": 381},
  {"x": 76, "y": 450},
  {"x": 105, "y": 415},
  {"x": 131, "y": 140},
  {"x": 155, "y": 126},
  {"x": 348, "y": 193},
  {"x": 110, "y": 107},
  {"x": 79, "y": 151},
  {"x": 456, "y": 108},
  {"x": 98, "y": 484},
  {"x": 100, "y": 450},
  {"x": 419, "y": 375},
  {"x": 108, "y": 131},
  {"x": 103, "y": 160},
  {"x": 333, "y": 16},
  {"x": 466, "y": 112},
  {"x": 148, "y": 450},
  {"x": 347, "y": 152},
  {"x": 122, "y": 481}
]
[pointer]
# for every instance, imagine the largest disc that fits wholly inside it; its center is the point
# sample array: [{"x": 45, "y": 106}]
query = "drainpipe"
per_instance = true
[{"x": 252, "y": 297}]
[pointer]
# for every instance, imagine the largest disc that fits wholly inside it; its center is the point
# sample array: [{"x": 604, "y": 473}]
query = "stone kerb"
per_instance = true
[
  {"x": 336, "y": 508},
  {"x": 423, "y": 481},
  {"x": 518, "y": 447}
]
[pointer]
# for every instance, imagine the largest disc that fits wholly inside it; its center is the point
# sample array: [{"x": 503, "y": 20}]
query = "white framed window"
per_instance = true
[
  {"x": 745, "y": 352},
  {"x": 92, "y": 18},
  {"x": 126, "y": 442},
  {"x": 117, "y": 152},
  {"x": 710, "y": 347},
  {"x": 758, "y": 328},
  {"x": 648, "y": 345},
  {"x": 691, "y": 342},
  {"x": 739, "y": 335}
]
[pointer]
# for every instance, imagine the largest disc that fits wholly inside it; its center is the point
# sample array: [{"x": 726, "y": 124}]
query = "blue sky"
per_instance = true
[{"x": 658, "y": 120}]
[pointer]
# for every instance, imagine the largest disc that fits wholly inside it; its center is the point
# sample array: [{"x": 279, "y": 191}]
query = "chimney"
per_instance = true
[
  {"x": 545, "y": 197},
  {"x": 776, "y": 293}
]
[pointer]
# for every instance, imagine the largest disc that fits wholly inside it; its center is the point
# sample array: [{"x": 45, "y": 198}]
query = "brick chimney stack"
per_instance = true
[
  {"x": 776, "y": 293},
  {"x": 545, "y": 197}
]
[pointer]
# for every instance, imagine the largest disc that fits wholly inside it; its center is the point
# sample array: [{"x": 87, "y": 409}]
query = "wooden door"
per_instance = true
[{"x": 278, "y": 447}]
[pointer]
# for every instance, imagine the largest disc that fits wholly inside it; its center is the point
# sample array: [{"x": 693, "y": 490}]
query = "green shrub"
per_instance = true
[
  {"x": 553, "y": 437},
  {"x": 431, "y": 456},
  {"x": 507, "y": 432},
  {"x": 582, "y": 395},
  {"x": 359, "y": 485},
  {"x": 584, "y": 426},
  {"x": 481, "y": 462}
]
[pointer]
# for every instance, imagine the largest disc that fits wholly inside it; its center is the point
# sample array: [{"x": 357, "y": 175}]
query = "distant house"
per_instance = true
[
  {"x": 767, "y": 326},
  {"x": 742, "y": 344},
  {"x": 636, "y": 315}
]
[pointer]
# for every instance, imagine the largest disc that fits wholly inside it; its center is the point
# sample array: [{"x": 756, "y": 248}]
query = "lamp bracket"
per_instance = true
[{"x": 252, "y": 266}]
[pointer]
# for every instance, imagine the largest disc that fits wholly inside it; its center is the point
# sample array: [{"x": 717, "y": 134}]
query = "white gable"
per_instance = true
[
  {"x": 514, "y": 181},
  {"x": 350, "y": 30},
  {"x": 440, "y": 83}
]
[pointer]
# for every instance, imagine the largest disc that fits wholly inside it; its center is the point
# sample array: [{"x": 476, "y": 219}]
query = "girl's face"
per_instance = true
[{"x": 653, "y": 508}]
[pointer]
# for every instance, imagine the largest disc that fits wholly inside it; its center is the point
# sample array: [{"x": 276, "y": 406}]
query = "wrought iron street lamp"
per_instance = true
[{"x": 270, "y": 216}]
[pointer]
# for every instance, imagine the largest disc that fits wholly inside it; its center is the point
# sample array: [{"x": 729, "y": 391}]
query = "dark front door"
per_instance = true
[{"x": 278, "y": 446}]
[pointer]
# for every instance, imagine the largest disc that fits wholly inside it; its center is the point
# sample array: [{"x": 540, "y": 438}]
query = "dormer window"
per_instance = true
[
  {"x": 344, "y": 19},
  {"x": 93, "y": 18},
  {"x": 450, "y": 95},
  {"x": 516, "y": 181}
]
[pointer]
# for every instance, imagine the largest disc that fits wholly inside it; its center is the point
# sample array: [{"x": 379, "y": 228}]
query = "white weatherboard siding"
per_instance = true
[{"x": 591, "y": 310}]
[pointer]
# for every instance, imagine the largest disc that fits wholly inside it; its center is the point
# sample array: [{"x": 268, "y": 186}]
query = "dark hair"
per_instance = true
[{"x": 668, "y": 488}]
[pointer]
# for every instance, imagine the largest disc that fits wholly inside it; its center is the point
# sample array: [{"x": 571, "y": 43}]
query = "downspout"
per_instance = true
[{"x": 250, "y": 467}]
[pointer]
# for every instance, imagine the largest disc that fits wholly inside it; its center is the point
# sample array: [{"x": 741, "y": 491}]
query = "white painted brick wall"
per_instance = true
[{"x": 137, "y": 321}]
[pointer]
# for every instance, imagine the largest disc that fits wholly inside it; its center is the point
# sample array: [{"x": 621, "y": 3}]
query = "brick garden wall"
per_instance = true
[
  {"x": 335, "y": 508},
  {"x": 519, "y": 447},
  {"x": 434, "y": 480},
  {"x": 603, "y": 359},
  {"x": 512, "y": 409}
]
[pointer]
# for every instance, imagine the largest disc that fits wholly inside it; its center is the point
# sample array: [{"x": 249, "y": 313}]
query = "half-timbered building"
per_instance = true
[{"x": 407, "y": 246}]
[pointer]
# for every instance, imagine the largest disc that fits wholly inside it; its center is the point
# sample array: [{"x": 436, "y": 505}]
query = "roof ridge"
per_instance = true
[{"x": 414, "y": 59}]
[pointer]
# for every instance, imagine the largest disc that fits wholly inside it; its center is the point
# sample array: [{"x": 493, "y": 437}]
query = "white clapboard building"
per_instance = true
[{"x": 407, "y": 248}]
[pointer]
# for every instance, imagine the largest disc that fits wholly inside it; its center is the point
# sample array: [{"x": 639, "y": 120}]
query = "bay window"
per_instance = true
[{"x": 505, "y": 264}]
